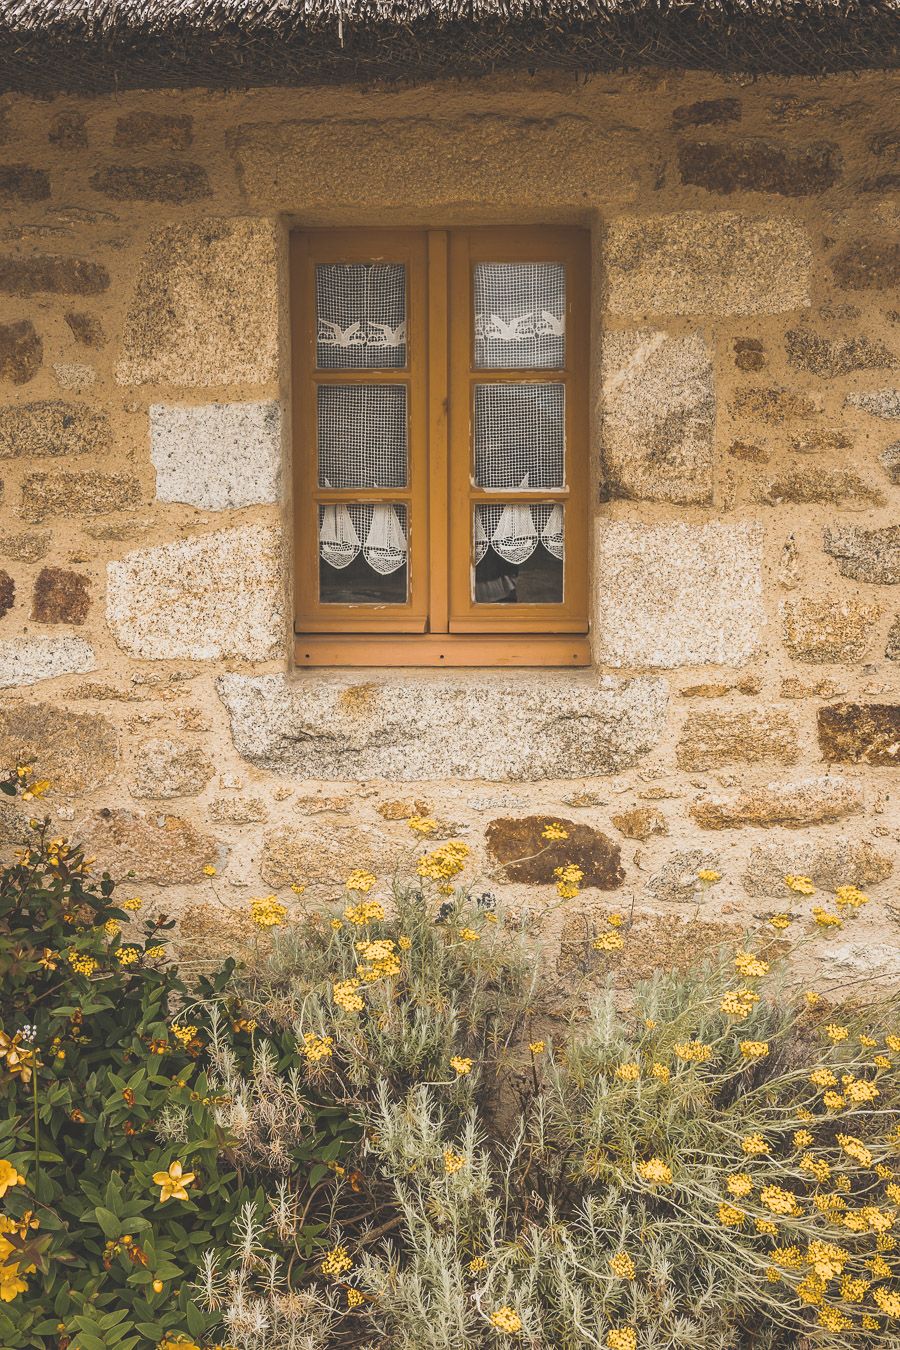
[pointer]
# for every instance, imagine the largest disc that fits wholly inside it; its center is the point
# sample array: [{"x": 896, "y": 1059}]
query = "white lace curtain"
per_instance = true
[
  {"x": 360, "y": 315},
  {"x": 520, "y": 316},
  {"x": 514, "y": 532},
  {"x": 377, "y": 531}
]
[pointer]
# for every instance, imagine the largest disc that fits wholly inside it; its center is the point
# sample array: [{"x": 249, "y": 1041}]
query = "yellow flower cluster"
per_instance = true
[
  {"x": 750, "y": 966},
  {"x": 730, "y": 1216},
  {"x": 127, "y": 956},
  {"x": 81, "y": 964},
  {"x": 184, "y": 1032},
  {"x": 855, "y": 1148},
  {"x": 622, "y": 1265},
  {"x": 554, "y": 832},
  {"x": 477, "y": 1265},
  {"x": 155, "y": 953},
  {"x": 453, "y": 1162},
  {"x": 818, "y": 1167},
  {"x": 822, "y": 1078},
  {"x": 708, "y": 876},
  {"x": 346, "y": 996},
  {"x": 536, "y": 1047},
  {"x": 367, "y": 911},
  {"x": 825, "y": 919},
  {"x": 780, "y": 921},
  {"x": 738, "y": 1003},
  {"x": 317, "y": 1048},
  {"x": 267, "y": 911},
  {"x": 888, "y": 1301},
  {"x": 859, "y": 1090},
  {"x": 9, "y": 1176},
  {"x": 754, "y": 1049},
  {"x": 379, "y": 960},
  {"x": 693, "y": 1052},
  {"x": 628, "y": 1073},
  {"x": 506, "y": 1319},
  {"x": 354, "y": 1298},
  {"x": 335, "y": 1262},
  {"x": 621, "y": 1338},
  {"x": 469, "y": 935},
  {"x": 660, "y": 1071},
  {"x": 740, "y": 1184},
  {"x": 826, "y": 1259},
  {"x": 360, "y": 880},
  {"x": 422, "y": 824},
  {"x": 851, "y": 896},
  {"x": 461, "y": 1065},
  {"x": 568, "y": 880},
  {"x": 800, "y": 885},
  {"x": 134, "y": 904},
  {"x": 754, "y": 1145},
  {"x": 607, "y": 942},
  {"x": 778, "y": 1200},
  {"x": 654, "y": 1170},
  {"x": 12, "y": 1272},
  {"x": 444, "y": 862},
  {"x": 112, "y": 928}
]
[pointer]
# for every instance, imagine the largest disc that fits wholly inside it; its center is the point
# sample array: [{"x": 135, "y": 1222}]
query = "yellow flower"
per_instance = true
[
  {"x": 335, "y": 1262},
  {"x": 800, "y": 885},
  {"x": 36, "y": 790},
  {"x": 879, "y": 1268},
  {"x": 19, "y": 1061},
  {"x": 853, "y": 1290},
  {"x": 730, "y": 1216},
  {"x": 807, "y": 1116},
  {"x": 298, "y": 887},
  {"x": 622, "y": 1265},
  {"x": 267, "y": 912},
  {"x": 536, "y": 1047},
  {"x": 708, "y": 875},
  {"x": 127, "y": 956},
  {"x": 607, "y": 942},
  {"x": 628, "y": 1073},
  {"x": 754, "y": 1144},
  {"x": 790, "y": 1258},
  {"x": 859, "y": 1091},
  {"x": 888, "y": 1301},
  {"x": 367, "y": 911},
  {"x": 453, "y": 1162},
  {"x": 754, "y": 1049},
  {"x": 461, "y": 1065},
  {"x": 422, "y": 824},
  {"x": 812, "y": 998},
  {"x": 869, "y": 1323},
  {"x": 836, "y": 1033},
  {"x": 817, "y": 1166},
  {"x": 360, "y": 880},
  {"x": 354, "y": 1298},
  {"x": 892, "y": 1190},
  {"x": 621, "y": 1338},
  {"x": 750, "y": 966},
  {"x": 9, "y": 1177},
  {"x": 738, "y": 1003},
  {"x": 740, "y": 1184},
  {"x": 615, "y": 920},
  {"x": 892, "y": 1043},
  {"x": 477, "y": 1265},
  {"x": 155, "y": 953},
  {"x": 822, "y": 1078},
  {"x": 469, "y": 935},
  {"x": 404, "y": 943},
  {"x": 317, "y": 1048},
  {"x": 82, "y": 965},
  {"x": 554, "y": 832},
  {"x": 655, "y": 1171},
  {"x": 173, "y": 1183},
  {"x": 778, "y": 1200},
  {"x": 112, "y": 927},
  {"x": 803, "y": 1139},
  {"x": 832, "y": 1319},
  {"x": 766, "y": 1227},
  {"x": 881, "y": 1062},
  {"x": 209, "y": 871},
  {"x": 868, "y": 1041},
  {"x": 337, "y": 925},
  {"x": 183, "y": 1032},
  {"x": 568, "y": 880},
  {"x": 855, "y": 1148},
  {"x": 344, "y": 993},
  {"x": 506, "y": 1319},
  {"x": 826, "y": 920},
  {"x": 444, "y": 862},
  {"x": 660, "y": 1071},
  {"x": 833, "y": 1100},
  {"x": 693, "y": 1052},
  {"x": 850, "y": 895},
  {"x": 780, "y": 921},
  {"x": 133, "y": 905}
]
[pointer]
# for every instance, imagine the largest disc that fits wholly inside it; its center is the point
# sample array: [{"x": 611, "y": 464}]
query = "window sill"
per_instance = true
[{"x": 435, "y": 650}]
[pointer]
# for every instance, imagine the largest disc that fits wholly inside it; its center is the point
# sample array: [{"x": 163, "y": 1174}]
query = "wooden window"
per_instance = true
[{"x": 440, "y": 446}]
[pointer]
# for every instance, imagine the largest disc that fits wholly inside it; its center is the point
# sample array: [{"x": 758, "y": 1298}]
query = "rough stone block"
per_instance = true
[
  {"x": 29, "y": 546},
  {"x": 836, "y": 862},
  {"x": 775, "y": 405},
  {"x": 207, "y": 598},
  {"x": 890, "y": 461},
  {"x": 324, "y": 856},
  {"x": 710, "y": 263},
  {"x": 878, "y": 402},
  {"x": 759, "y": 166},
  {"x": 21, "y": 351},
  {"x": 164, "y": 768},
  {"x": 678, "y": 595},
  {"x": 156, "y": 183},
  {"x": 749, "y": 353},
  {"x": 60, "y": 596},
  {"x": 640, "y": 822},
  {"x": 867, "y": 264},
  {"x": 808, "y": 485},
  {"x": 61, "y": 493},
  {"x": 7, "y": 593},
  {"x": 830, "y": 358},
  {"x": 47, "y": 273},
  {"x": 238, "y": 811},
  {"x": 677, "y": 882},
  {"x": 812, "y": 440},
  {"x": 86, "y": 329},
  {"x": 511, "y": 840},
  {"x": 20, "y": 182},
  {"x": 828, "y": 630},
  {"x": 78, "y": 752},
  {"x": 659, "y": 414},
  {"x": 892, "y": 650},
  {"x": 794, "y": 805},
  {"x": 52, "y": 427},
  {"x": 707, "y": 112},
  {"x": 860, "y": 733},
  {"x": 217, "y": 455},
  {"x": 866, "y": 555},
  {"x": 163, "y": 850},
  {"x": 170, "y": 130},
  {"x": 340, "y": 728},
  {"x": 205, "y": 307},
  {"x": 710, "y": 739},
  {"x": 27, "y": 660},
  {"x": 68, "y": 130}
]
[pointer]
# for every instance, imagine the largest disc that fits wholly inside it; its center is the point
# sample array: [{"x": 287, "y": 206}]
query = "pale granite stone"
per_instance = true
[
  {"x": 27, "y": 660},
  {"x": 216, "y": 455}
]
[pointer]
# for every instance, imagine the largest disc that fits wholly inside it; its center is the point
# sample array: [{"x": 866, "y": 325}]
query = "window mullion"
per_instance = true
[{"x": 438, "y": 433}]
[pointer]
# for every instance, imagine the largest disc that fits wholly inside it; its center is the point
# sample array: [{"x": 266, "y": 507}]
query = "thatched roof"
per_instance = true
[{"x": 99, "y": 45}]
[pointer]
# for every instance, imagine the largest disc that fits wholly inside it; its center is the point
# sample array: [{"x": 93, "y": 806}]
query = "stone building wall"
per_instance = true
[{"x": 743, "y": 711}]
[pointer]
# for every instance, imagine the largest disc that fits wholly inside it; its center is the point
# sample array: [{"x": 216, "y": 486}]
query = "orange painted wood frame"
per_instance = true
[{"x": 439, "y": 624}]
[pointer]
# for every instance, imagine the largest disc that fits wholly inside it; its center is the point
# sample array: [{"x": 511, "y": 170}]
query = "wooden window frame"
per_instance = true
[{"x": 440, "y": 625}]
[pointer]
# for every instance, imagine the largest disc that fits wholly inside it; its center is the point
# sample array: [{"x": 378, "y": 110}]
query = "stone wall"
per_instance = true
[{"x": 743, "y": 712}]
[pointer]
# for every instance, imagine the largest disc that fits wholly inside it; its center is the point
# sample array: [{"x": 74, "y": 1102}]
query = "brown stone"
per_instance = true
[
  {"x": 137, "y": 129},
  {"x": 882, "y": 182},
  {"x": 868, "y": 264},
  {"x": 749, "y": 452},
  {"x": 164, "y": 768},
  {"x": 317, "y": 805},
  {"x": 791, "y": 687},
  {"x": 793, "y": 805},
  {"x": 512, "y": 840},
  {"x": 640, "y": 822},
  {"x": 29, "y": 546},
  {"x": 21, "y": 351},
  {"x": 758, "y": 166},
  {"x": 747, "y": 684},
  {"x": 749, "y": 353},
  {"x": 822, "y": 356},
  {"x": 651, "y": 945},
  {"x": 676, "y": 882},
  {"x": 706, "y": 113},
  {"x": 811, "y": 441},
  {"x": 324, "y": 854},
  {"x": 86, "y": 330},
  {"x": 53, "y": 274},
  {"x": 892, "y": 650},
  {"x": 165, "y": 850},
  {"x": 828, "y": 630},
  {"x": 238, "y": 811},
  {"x": 710, "y": 739},
  {"x": 86, "y": 494},
  {"x": 22, "y": 183},
  {"x": 52, "y": 427},
  {"x": 68, "y": 129},
  {"x": 60, "y": 596},
  {"x": 866, "y": 555},
  {"x": 77, "y": 752},
  {"x": 838, "y": 862},
  {"x": 890, "y": 461},
  {"x": 805, "y": 486},
  {"x": 402, "y": 810},
  {"x": 860, "y": 733},
  {"x": 7, "y": 593},
  {"x": 161, "y": 183},
  {"x": 774, "y": 405}
]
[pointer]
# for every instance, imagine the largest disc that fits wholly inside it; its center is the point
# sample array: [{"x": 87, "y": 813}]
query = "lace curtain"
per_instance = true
[{"x": 361, "y": 315}]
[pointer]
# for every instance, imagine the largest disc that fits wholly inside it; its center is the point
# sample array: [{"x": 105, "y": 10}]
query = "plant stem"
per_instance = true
[{"x": 37, "y": 1128}]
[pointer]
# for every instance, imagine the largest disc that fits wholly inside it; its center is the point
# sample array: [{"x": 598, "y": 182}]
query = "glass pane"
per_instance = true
[
  {"x": 360, "y": 315},
  {"x": 518, "y": 553},
  {"x": 362, "y": 435},
  {"x": 520, "y": 316},
  {"x": 363, "y": 554},
  {"x": 520, "y": 435}
]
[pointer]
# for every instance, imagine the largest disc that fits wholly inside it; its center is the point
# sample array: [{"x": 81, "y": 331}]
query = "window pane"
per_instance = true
[
  {"x": 360, "y": 315},
  {"x": 520, "y": 435},
  {"x": 518, "y": 553},
  {"x": 362, "y": 435},
  {"x": 363, "y": 554},
  {"x": 520, "y": 316}
]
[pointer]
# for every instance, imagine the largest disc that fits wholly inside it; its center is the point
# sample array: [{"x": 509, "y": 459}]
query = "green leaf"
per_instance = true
[{"x": 110, "y": 1223}]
